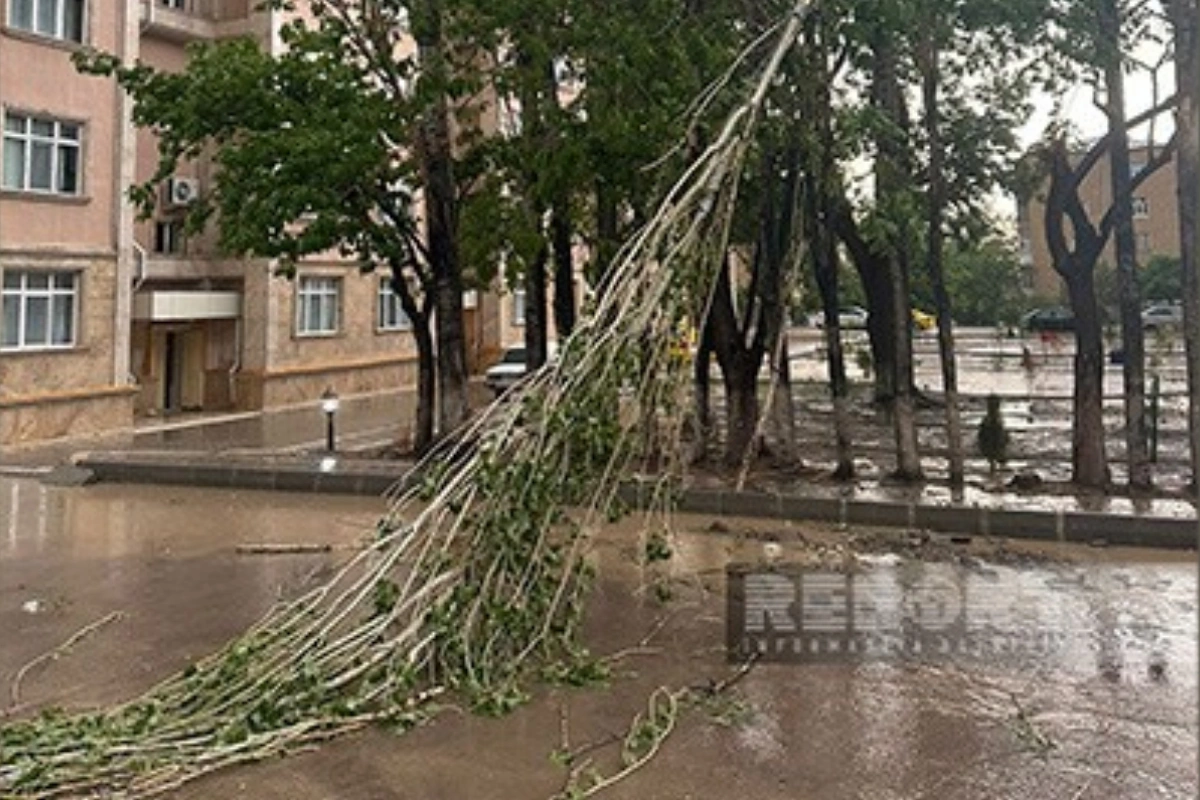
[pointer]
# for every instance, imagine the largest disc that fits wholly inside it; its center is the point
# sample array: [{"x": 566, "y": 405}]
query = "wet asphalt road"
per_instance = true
[{"x": 1116, "y": 698}]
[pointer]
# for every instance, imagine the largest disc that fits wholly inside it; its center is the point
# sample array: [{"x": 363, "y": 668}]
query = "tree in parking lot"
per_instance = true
[
  {"x": 1094, "y": 38},
  {"x": 1075, "y": 261}
]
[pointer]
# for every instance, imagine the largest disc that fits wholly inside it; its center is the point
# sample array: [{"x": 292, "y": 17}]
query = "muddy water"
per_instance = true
[{"x": 1109, "y": 714}]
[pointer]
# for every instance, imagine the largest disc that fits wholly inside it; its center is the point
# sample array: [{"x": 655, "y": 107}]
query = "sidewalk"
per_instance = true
[
  {"x": 284, "y": 450},
  {"x": 362, "y": 423}
]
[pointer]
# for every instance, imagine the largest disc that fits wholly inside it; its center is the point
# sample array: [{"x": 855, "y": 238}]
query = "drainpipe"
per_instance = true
[
  {"x": 140, "y": 276},
  {"x": 122, "y": 222},
  {"x": 237, "y": 360}
]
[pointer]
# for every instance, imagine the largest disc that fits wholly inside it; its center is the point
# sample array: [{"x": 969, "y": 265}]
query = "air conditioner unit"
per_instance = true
[{"x": 182, "y": 192}]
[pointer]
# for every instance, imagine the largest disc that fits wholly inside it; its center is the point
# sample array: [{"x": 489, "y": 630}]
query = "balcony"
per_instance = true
[{"x": 179, "y": 20}]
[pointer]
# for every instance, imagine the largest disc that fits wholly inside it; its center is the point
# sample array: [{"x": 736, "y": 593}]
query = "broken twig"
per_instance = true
[{"x": 56, "y": 653}]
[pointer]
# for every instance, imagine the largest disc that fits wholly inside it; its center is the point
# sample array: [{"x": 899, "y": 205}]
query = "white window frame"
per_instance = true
[
  {"x": 518, "y": 308},
  {"x": 58, "y": 143},
  {"x": 62, "y": 285},
  {"x": 322, "y": 289},
  {"x": 1141, "y": 207},
  {"x": 59, "y": 30},
  {"x": 389, "y": 314}
]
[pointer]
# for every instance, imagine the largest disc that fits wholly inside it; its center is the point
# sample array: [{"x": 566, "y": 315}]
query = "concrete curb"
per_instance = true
[{"x": 349, "y": 476}]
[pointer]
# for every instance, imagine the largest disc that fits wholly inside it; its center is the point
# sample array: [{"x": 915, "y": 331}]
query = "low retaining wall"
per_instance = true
[{"x": 307, "y": 474}]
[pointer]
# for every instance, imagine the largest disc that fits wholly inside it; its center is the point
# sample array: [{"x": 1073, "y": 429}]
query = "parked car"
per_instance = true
[
  {"x": 1162, "y": 315},
  {"x": 1055, "y": 318},
  {"x": 849, "y": 318},
  {"x": 510, "y": 369}
]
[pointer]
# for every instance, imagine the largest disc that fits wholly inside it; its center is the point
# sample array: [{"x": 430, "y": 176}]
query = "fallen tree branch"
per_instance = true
[
  {"x": 58, "y": 652},
  {"x": 270, "y": 549}
]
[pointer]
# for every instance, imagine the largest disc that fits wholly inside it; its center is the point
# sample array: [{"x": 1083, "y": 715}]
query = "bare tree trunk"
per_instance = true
[
  {"x": 442, "y": 225},
  {"x": 536, "y": 327},
  {"x": 423, "y": 436},
  {"x": 826, "y": 260},
  {"x": 564, "y": 267},
  {"x": 1133, "y": 341},
  {"x": 1088, "y": 459},
  {"x": 904, "y": 409},
  {"x": 741, "y": 410},
  {"x": 1183, "y": 14},
  {"x": 873, "y": 271},
  {"x": 937, "y": 194},
  {"x": 703, "y": 411},
  {"x": 821, "y": 228},
  {"x": 893, "y": 180},
  {"x": 418, "y": 315},
  {"x": 783, "y": 409}
]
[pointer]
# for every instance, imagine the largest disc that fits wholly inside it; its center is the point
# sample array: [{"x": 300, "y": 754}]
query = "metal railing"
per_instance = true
[{"x": 210, "y": 10}]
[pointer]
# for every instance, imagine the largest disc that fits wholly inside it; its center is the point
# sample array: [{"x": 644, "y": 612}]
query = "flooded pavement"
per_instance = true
[{"x": 1109, "y": 712}]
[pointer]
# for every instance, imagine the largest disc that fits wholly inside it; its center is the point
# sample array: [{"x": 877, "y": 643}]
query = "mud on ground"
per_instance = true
[{"x": 1107, "y": 718}]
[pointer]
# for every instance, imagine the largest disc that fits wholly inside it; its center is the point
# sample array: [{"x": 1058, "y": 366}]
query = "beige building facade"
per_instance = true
[
  {"x": 1155, "y": 221},
  {"x": 106, "y": 318}
]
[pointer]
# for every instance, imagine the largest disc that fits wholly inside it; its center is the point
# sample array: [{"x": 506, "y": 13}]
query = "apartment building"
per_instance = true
[
  {"x": 107, "y": 318},
  {"x": 1155, "y": 220}
]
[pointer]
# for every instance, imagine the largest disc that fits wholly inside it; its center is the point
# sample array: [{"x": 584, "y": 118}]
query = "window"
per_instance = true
[
  {"x": 168, "y": 237},
  {"x": 1141, "y": 208},
  {"x": 58, "y": 19},
  {"x": 38, "y": 309},
  {"x": 41, "y": 155},
  {"x": 390, "y": 315},
  {"x": 317, "y": 306},
  {"x": 518, "y": 307},
  {"x": 1143, "y": 245}
]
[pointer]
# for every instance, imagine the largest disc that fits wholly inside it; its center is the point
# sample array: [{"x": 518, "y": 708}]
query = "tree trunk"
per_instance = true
[
  {"x": 436, "y": 156},
  {"x": 418, "y": 315},
  {"x": 880, "y": 291},
  {"x": 936, "y": 207},
  {"x": 703, "y": 412},
  {"x": 564, "y": 267},
  {"x": 536, "y": 327},
  {"x": 741, "y": 403},
  {"x": 607, "y": 241},
  {"x": 824, "y": 251},
  {"x": 871, "y": 264},
  {"x": 904, "y": 409},
  {"x": 838, "y": 386},
  {"x": 423, "y": 436},
  {"x": 1183, "y": 15},
  {"x": 441, "y": 226},
  {"x": 1088, "y": 459},
  {"x": 1133, "y": 341},
  {"x": 893, "y": 181},
  {"x": 783, "y": 409},
  {"x": 821, "y": 228}
]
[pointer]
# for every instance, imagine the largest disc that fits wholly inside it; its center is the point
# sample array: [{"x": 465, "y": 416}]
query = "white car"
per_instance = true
[
  {"x": 510, "y": 369},
  {"x": 1162, "y": 315},
  {"x": 849, "y": 318}
]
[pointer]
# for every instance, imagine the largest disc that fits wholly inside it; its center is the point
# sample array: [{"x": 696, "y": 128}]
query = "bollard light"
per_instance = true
[{"x": 329, "y": 404}]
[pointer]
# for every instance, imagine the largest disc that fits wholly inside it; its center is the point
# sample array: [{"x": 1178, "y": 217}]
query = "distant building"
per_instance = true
[
  {"x": 105, "y": 318},
  {"x": 1155, "y": 221}
]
